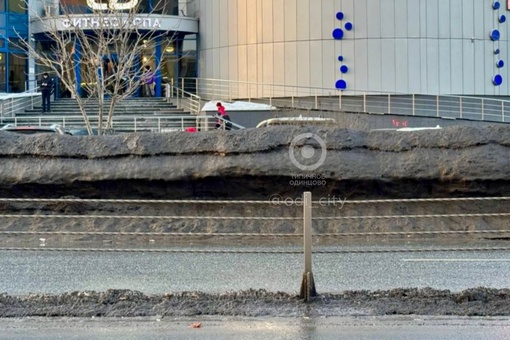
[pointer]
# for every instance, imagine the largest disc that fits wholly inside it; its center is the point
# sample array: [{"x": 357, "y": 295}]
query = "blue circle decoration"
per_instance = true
[
  {"x": 348, "y": 26},
  {"x": 341, "y": 84},
  {"x": 497, "y": 80},
  {"x": 344, "y": 69},
  {"x": 502, "y": 18},
  {"x": 340, "y": 58},
  {"x": 340, "y": 15},
  {"x": 500, "y": 63},
  {"x": 338, "y": 34},
  {"x": 496, "y": 5},
  {"x": 496, "y": 51},
  {"x": 495, "y": 35}
]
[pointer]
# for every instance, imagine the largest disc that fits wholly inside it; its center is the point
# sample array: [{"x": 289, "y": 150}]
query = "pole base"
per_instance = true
[{"x": 308, "y": 287}]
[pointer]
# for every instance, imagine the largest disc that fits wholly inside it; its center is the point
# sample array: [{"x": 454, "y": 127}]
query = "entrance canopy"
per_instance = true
[{"x": 156, "y": 22}]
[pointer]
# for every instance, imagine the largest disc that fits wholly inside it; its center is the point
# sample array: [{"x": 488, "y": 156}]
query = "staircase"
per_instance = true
[
  {"x": 130, "y": 106},
  {"x": 130, "y": 115}
]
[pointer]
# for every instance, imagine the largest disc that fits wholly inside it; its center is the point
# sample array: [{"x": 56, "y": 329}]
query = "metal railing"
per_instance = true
[
  {"x": 185, "y": 100},
  {"x": 13, "y": 103},
  {"x": 309, "y": 218},
  {"x": 129, "y": 123},
  {"x": 285, "y": 96}
]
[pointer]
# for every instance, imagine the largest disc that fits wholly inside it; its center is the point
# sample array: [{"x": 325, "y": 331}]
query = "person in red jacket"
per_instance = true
[{"x": 225, "y": 122}]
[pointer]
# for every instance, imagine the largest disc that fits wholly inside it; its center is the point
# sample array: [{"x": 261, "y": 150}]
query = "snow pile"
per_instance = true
[{"x": 237, "y": 106}]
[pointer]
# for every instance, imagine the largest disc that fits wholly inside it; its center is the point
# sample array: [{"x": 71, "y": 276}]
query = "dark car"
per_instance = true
[
  {"x": 31, "y": 130},
  {"x": 84, "y": 132}
]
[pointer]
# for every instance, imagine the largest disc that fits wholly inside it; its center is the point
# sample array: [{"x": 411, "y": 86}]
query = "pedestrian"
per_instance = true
[
  {"x": 46, "y": 85},
  {"x": 223, "y": 122},
  {"x": 148, "y": 82}
]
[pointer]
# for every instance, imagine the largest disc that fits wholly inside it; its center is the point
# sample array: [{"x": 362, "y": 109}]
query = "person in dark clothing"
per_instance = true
[{"x": 46, "y": 85}]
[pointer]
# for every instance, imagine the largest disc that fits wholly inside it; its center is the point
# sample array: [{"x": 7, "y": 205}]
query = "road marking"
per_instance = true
[{"x": 456, "y": 260}]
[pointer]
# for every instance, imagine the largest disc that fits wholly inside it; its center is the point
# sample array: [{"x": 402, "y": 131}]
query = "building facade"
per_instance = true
[
  {"x": 378, "y": 46},
  {"x": 36, "y": 21},
  {"x": 13, "y": 61}
]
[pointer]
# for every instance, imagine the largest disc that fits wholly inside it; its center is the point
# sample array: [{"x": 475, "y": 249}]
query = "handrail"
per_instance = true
[
  {"x": 187, "y": 100},
  {"x": 315, "y": 98},
  {"x": 152, "y": 123},
  {"x": 12, "y": 103}
]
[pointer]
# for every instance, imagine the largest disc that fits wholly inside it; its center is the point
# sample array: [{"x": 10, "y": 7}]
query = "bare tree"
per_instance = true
[{"x": 111, "y": 45}]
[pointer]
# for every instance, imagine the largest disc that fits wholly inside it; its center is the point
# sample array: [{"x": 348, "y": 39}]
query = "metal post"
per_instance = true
[
  {"x": 414, "y": 109},
  {"x": 364, "y": 102},
  {"x": 340, "y": 100},
  {"x": 460, "y": 108},
  {"x": 307, "y": 285},
  {"x": 389, "y": 103},
  {"x": 502, "y": 111},
  {"x": 316, "y": 100},
  {"x": 437, "y": 106},
  {"x": 483, "y": 108}
]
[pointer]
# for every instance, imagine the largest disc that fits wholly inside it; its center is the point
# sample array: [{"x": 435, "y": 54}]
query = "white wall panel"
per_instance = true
[
  {"x": 360, "y": 19},
  {"x": 424, "y": 70},
  {"x": 278, "y": 20},
  {"x": 303, "y": 20},
  {"x": 279, "y": 63},
  {"x": 222, "y": 25},
  {"x": 233, "y": 65},
  {"x": 468, "y": 19},
  {"x": 414, "y": 46},
  {"x": 315, "y": 59},
  {"x": 388, "y": 19},
  {"x": 432, "y": 18},
  {"x": 373, "y": 19},
  {"x": 267, "y": 66},
  {"x": 220, "y": 63},
  {"x": 445, "y": 62},
  {"x": 315, "y": 19},
  {"x": 414, "y": 66},
  {"x": 303, "y": 63},
  {"x": 360, "y": 67},
  {"x": 456, "y": 66},
  {"x": 413, "y": 19},
  {"x": 242, "y": 62},
  {"x": 468, "y": 66},
  {"x": 252, "y": 64},
  {"x": 241, "y": 19},
  {"x": 328, "y": 18},
  {"x": 233, "y": 24},
  {"x": 432, "y": 53},
  {"x": 267, "y": 21},
  {"x": 374, "y": 63},
  {"x": 251, "y": 22},
  {"x": 330, "y": 64},
  {"x": 291, "y": 63},
  {"x": 444, "y": 19},
  {"x": 401, "y": 13},
  {"x": 290, "y": 19},
  {"x": 479, "y": 67},
  {"x": 456, "y": 19},
  {"x": 388, "y": 65}
]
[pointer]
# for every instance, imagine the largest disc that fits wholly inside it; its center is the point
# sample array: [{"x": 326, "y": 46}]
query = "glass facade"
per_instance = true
[{"x": 13, "y": 60}]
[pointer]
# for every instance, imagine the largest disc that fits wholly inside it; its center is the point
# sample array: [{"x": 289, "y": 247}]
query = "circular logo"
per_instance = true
[{"x": 307, "y": 152}]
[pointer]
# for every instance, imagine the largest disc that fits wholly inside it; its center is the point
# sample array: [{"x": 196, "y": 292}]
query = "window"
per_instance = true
[{"x": 17, "y": 6}]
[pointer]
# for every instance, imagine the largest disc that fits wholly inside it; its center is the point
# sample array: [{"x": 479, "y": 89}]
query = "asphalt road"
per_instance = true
[
  {"x": 26, "y": 272},
  {"x": 366, "y": 328}
]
